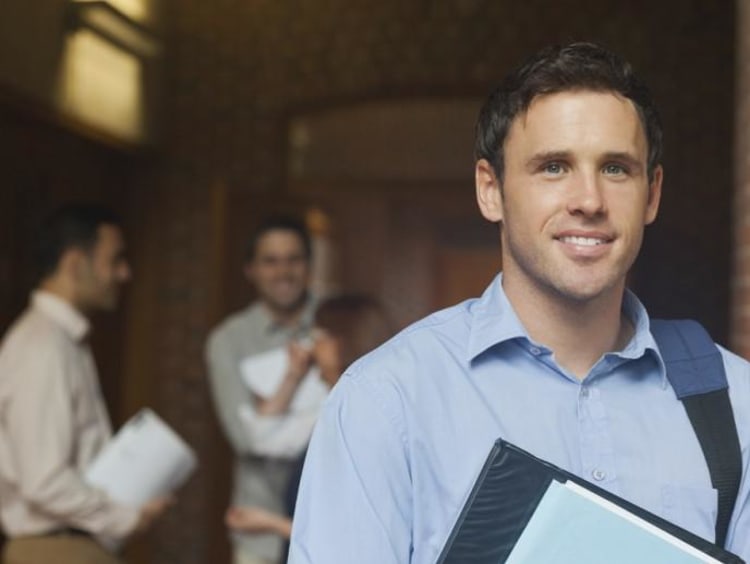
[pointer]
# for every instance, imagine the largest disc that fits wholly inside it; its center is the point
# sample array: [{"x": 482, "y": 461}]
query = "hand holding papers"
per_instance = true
[
  {"x": 144, "y": 460},
  {"x": 264, "y": 372},
  {"x": 283, "y": 435},
  {"x": 525, "y": 510}
]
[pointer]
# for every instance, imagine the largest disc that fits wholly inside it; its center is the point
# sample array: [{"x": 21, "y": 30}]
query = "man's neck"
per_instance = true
[
  {"x": 578, "y": 333},
  {"x": 60, "y": 289},
  {"x": 286, "y": 317}
]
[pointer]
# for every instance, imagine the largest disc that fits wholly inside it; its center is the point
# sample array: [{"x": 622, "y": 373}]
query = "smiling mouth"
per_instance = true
[{"x": 583, "y": 241}]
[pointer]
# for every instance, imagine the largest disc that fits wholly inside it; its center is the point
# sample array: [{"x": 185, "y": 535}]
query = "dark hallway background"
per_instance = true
[{"x": 236, "y": 78}]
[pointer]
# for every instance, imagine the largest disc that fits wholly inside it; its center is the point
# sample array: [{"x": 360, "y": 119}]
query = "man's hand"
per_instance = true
[
  {"x": 300, "y": 359},
  {"x": 150, "y": 512},
  {"x": 257, "y": 520}
]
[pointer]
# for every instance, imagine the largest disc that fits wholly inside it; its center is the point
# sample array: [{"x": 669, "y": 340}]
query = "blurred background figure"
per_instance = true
[
  {"x": 53, "y": 421},
  {"x": 278, "y": 266},
  {"x": 346, "y": 327}
]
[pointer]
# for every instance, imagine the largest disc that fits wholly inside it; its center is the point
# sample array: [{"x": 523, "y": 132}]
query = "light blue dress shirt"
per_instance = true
[{"x": 405, "y": 432}]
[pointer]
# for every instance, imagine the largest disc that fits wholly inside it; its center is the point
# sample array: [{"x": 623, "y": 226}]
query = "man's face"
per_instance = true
[
  {"x": 280, "y": 270},
  {"x": 575, "y": 197},
  {"x": 101, "y": 272}
]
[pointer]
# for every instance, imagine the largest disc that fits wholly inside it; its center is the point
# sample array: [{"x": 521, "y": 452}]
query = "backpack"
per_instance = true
[{"x": 695, "y": 370}]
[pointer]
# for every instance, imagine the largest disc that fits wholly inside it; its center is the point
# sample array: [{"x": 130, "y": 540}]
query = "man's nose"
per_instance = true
[
  {"x": 125, "y": 273},
  {"x": 587, "y": 195}
]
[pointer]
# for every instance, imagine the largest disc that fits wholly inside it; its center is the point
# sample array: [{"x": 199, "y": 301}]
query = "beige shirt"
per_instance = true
[{"x": 53, "y": 422}]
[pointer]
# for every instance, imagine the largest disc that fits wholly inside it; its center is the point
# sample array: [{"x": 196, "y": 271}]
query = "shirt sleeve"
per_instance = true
[
  {"x": 247, "y": 432},
  {"x": 738, "y": 370},
  {"x": 281, "y": 436},
  {"x": 354, "y": 502},
  {"x": 227, "y": 391},
  {"x": 41, "y": 433},
  {"x": 738, "y": 538}
]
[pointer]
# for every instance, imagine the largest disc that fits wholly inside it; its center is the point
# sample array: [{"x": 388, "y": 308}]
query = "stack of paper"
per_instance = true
[
  {"x": 573, "y": 525},
  {"x": 524, "y": 510},
  {"x": 144, "y": 460}
]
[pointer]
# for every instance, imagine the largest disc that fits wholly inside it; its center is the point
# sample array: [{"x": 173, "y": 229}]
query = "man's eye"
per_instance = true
[
  {"x": 553, "y": 168},
  {"x": 614, "y": 169}
]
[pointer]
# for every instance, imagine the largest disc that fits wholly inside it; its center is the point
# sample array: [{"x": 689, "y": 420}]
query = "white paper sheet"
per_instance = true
[
  {"x": 264, "y": 372},
  {"x": 144, "y": 460},
  {"x": 572, "y": 525}
]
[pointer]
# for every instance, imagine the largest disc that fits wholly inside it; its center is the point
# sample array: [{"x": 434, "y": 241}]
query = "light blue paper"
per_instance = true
[{"x": 567, "y": 528}]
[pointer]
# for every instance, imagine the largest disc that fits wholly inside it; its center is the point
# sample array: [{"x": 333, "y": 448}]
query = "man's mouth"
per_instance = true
[{"x": 583, "y": 241}]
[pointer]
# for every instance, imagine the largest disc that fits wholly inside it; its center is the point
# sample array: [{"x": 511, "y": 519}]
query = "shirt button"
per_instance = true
[
  {"x": 584, "y": 392},
  {"x": 599, "y": 475},
  {"x": 535, "y": 351}
]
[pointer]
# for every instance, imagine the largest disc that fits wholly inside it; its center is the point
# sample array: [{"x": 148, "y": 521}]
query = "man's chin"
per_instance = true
[
  {"x": 109, "y": 304},
  {"x": 584, "y": 291},
  {"x": 287, "y": 305}
]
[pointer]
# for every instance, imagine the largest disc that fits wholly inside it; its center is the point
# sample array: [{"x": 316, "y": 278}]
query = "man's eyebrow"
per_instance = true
[
  {"x": 547, "y": 156},
  {"x": 623, "y": 156}
]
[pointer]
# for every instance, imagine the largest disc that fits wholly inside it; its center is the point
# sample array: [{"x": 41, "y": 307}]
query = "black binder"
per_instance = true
[{"x": 506, "y": 494}]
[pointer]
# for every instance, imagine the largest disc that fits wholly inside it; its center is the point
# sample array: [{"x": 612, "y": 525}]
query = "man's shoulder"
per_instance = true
[
  {"x": 444, "y": 332},
  {"x": 405, "y": 378},
  {"x": 237, "y": 322},
  {"x": 32, "y": 324},
  {"x": 450, "y": 319},
  {"x": 32, "y": 338},
  {"x": 737, "y": 369}
]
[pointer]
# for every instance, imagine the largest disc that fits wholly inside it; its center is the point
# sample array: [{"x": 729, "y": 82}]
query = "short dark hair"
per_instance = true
[
  {"x": 70, "y": 226},
  {"x": 359, "y": 321},
  {"x": 577, "y": 66},
  {"x": 279, "y": 223}
]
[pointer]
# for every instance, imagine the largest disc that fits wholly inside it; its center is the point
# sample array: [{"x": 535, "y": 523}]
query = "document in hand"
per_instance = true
[
  {"x": 525, "y": 510},
  {"x": 264, "y": 372},
  {"x": 572, "y": 525},
  {"x": 144, "y": 460}
]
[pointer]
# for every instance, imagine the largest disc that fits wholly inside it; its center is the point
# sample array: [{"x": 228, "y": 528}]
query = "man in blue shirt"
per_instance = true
[{"x": 556, "y": 356}]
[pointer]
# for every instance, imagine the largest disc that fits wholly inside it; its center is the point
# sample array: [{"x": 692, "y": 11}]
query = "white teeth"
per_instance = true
[{"x": 582, "y": 241}]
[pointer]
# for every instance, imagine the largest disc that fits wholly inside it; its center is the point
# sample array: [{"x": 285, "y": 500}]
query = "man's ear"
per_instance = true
[
  {"x": 489, "y": 191},
  {"x": 654, "y": 195},
  {"x": 72, "y": 262}
]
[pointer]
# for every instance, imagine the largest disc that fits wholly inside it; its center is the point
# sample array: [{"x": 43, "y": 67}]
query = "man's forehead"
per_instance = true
[
  {"x": 548, "y": 115},
  {"x": 280, "y": 242},
  {"x": 279, "y": 238},
  {"x": 110, "y": 235},
  {"x": 538, "y": 99}
]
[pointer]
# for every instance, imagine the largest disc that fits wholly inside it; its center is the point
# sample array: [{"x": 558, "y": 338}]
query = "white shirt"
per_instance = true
[{"x": 53, "y": 422}]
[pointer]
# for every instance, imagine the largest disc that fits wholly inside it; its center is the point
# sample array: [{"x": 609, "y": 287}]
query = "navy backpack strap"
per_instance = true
[{"x": 695, "y": 370}]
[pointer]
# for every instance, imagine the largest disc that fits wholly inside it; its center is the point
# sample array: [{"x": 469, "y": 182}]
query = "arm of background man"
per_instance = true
[
  {"x": 738, "y": 371},
  {"x": 40, "y": 431},
  {"x": 355, "y": 498},
  {"x": 228, "y": 392},
  {"x": 279, "y": 436}
]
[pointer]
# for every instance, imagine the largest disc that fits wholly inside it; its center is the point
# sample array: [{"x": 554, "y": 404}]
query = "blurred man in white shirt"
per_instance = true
[{"x": 53, "y": 420}]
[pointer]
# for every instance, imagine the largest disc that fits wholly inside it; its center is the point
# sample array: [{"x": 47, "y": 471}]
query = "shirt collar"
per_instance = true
[
  {"x": 270, "y": 326},
  {"x": 642, "y": 342},
  {"x": 61, "y": 312},
  {"x": 494, "y": 321}
]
